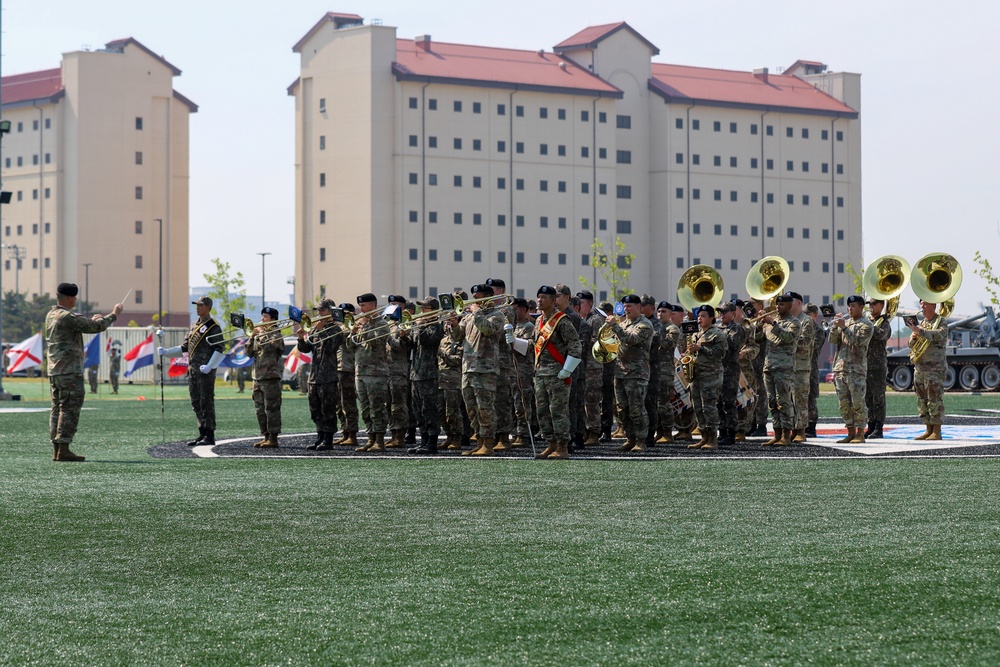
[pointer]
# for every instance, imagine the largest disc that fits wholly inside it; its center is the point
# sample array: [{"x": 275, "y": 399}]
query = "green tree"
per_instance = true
[
  {"x": 23, "y": 318},
  {"x": 223, "y": 287},
  {"x": 985, "y": 271},
  {"x": 614, "y": 265}
]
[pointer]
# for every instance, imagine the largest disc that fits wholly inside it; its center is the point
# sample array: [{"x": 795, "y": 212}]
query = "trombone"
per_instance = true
[
  {"x": 326, "y": 331},
  {"x": 242, "y": 328},
  {"x": 460, "y": 303}
]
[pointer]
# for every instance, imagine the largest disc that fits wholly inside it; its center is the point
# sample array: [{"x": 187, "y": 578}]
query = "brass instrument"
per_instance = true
[
  {"x": 766, "y": 279},
  {"x": 386, "y": 327},
  {"x": 936, "y": 279},
  {"x": 885, "y": 279},
  {"x": 234, "y": 334},
  {"x": 689, "y": 328},
  {"x": 326, "y": 331},
  {"x": 605, "y": 348},
  {"x": 272, "y": 331},
  {"x": 460, "y": 303},
  {"x": 701, "y": 285}
]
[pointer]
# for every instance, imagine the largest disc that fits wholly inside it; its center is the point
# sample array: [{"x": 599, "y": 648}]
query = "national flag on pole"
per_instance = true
[
  {"x": 178, "y": 366},
  {"x": 93, "y": 352},
  {"x": 26, "y": 354},
  {"x": 295, "y": 358},
  {"x": 140, "y": 356}
]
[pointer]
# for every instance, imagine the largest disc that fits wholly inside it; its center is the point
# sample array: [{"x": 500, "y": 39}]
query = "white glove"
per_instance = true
[
  {"x": 569, "y": 367},
  {"x": 169, "y": 351},
  {"x": 213, "y": 363},
  {"x": 508, "y": 330},
  {"x": 205, "y": 369},
  {"x": 563, "y": 374}
]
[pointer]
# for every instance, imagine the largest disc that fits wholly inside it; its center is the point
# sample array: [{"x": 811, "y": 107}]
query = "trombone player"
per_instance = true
[
  {"x": 266, "y": 348},
  {"x": 323, "y": 342},
  {"x": 929, "y": 368},
  {"x": 851, "y": 336}
]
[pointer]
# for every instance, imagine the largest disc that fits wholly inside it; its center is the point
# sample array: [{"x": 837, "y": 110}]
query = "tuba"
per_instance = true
[
  {"x": 936, "y": 279},
  {"x": 885, "y": 279},
  {"x": 767, "y": 278},
  {"x": 701, "y": 285}
]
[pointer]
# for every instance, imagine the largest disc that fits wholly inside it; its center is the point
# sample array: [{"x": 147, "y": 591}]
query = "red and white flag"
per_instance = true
[
  {"x": 178, "y": 366},
  {"x": 140, "y": 356},
  {"x": 296, "y": 358},
  {"x": 26, "y": 354}
]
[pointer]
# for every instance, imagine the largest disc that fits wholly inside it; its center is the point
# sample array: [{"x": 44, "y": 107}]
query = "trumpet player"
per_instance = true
[
  {"x": 424, "y": 379},
  {"x": 632, "y": 372},
  {"x": 324, "y": 381},
  {"x": 523, "y": 382},
  {"x": 400, "y": 347},
  {"x": 347, "y": 410},
  {"x": 709, "y": 347},
  {"x": 877, "y": 367},
  {"x": 266, "y": 351},
  {"x": 929, "y": 369},
  {"x": 851, "y": 335},
  {"x": 782, "y": 334}
]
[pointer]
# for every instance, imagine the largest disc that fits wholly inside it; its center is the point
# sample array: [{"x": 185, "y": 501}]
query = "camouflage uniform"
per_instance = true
[
  {"x": 64, "y": 336},
  {"x": 803, "y": 370},
  {"x": 115, "y": 369},
  {"x": 347, "y": 406},
  {"x": 324, "y": 379},
  {"x": 552, "y": 395},
  {"x": 302, "y": 374},
  {"x": 929, "y": 373},
  {"x": 669, "y": 342},
  {"x": 748, "y": 362},
  {"x": 577, "y": 389},
  {"x": 779, "y": 369},
  {"x": 371, "y": 375},
  {"x": 593, "y": 376},
  {"x": 267, "y": 368},
  {"x": 818, "y": 343},
  {"x": 877, "y": 368},
  {"x": 505, "y": 397},
  {"x": 524, "y": 395},
  {"x": 608, "y": 406},
  {"x": 632, "y": 375},
  {"x": 734, "y": 337},
  {"x": 477, "y": 332},
  {"x": 851, "y": 366},
  {"x": 201, "y": 386},
  {"x": 759, "y": 417},
  {"x": 707, "y": 380},
  {"x": 399, "y": 380},
  {"x": 424, "y": 380},
  {"x": 450, "y": 385},
  {"x": 92, "y": 378},
  {"x": 653, "y": 385}
]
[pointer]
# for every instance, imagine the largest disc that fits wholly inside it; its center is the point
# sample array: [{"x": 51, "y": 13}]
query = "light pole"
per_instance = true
[
  {"x": 159, "y": 301},
  {"x": 17, "y": 253},
  {"x": 86, "y": 286},
  {"x": 263, "y": 255}
]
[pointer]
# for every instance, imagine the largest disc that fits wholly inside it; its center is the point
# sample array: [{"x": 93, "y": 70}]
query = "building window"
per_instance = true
[
  {"x": 457, "y": 106},
  {"x": 519, "y": 221},
  {"x": 501, "y": 183},
  {"x": 138, "y": 192},
  {"x": 696, "y": 124},
  {"x": 624, "y": 192},
  {"x": 825, "y": 201},
  {"x": 584, "y": 116},
  {"x": 790, "y": 232},
  {"x": 789, "y": 165},
  {"x": 769, "y": 164},
  {"x": 696, "y": 193},
  {"x": 432, "y": 104},
  {"x": 562, "y": 186},
  {"x": 789, "y": 199},
  {"x": 840, "y": 135},
  {"x": 753, "y": 230},
  {"x": 733, "y": 196},
  {"x": 322, "y": 142},
  {"x": 680, "y": 227},
  {"x": 625, "y": 157},
  {"x": 457, "y": 180},
  {"x": 432, "y": 217},
  {"x": 805, "y": 132},
  {"x": 457, "y": 143},
  {"x": 519, "y": 111},
  {"x": 543, "y": 258},
  {"x": 477, "y": 255},
  {"x": 543, "y": 222},
  {"x": 826, "y": 267},
  {"x": 48, "y": 193},
  {"x": 840, "y": 169},
  {"x": 458, "y": 255},
  {"x": 840, "y": 234},
  {"x": 826, "y": 234},
  {"x": 477, "y": 107},
  {"x": 562, "y": 223},
  {"x": 585, "y": 188},
  {"x": 805, "y": 232},
  {"x": 696, "y": 229},
  {"x": 584, "y": 151},
  {"x": 501, "y": 147},
  {"x": 138, "y": 261},
  {"x": 501, "y": 109},
  {"x": 753, "y": 128},
  {"x": 602, "y": 225},
  {"x": 477, "y": 181},
  {"x": 138, "y": 122},
  {"x": 138, "y": 157},
  {"x": 679, "y": 193},
  {"x": 48, "y": 123},
  {"x": 543, "y": 112},
  {"x": 770, "y": 232},
  {"x": 561, "y": 114},
  {"x": 501, "y": 220},
  {"x": 432, "y": 179},
  {"x": 519, "y": 147},
  {"x": 717, "y": 264},
  {"x": 477, "y": 144},
  {"x": 805, "y": 166},
  {"x": 769, "y": 130},
  {"x": 805, "y": 267},
  {"x": 717, "y": 161},
  {"x": 519, "y": 257},
  {"x": 413, "y": 253},
  {"x": 432, "y": 142},
  {"x": 696, "y": 159},
  {"x": 322, "y": 254},
  {"x": 602, "y": 117},
  {"x": 717, "y": 229},
  {"x": 623, "y": 122},
  {"x": 770, "y": 197},
  {"x": 432, "y": 255},
  {"x": 322, "y": 104},
  {"x": 717, "y": 195},
  {"x": 519, "y": 184},
  {"x": 561, "y": 150},
  {"x": 840, "y": 267},
  {"x": 584, "y": 223},
  {"x": 413, "y": 140},
  {"x": 138, "y": 227},
  {"x": 322, "y": 180},
  {"x": 825, "y": 168},
  {"x": 458, "y": 218},
  {"x": 753, "y": 198},
  {"x": 623, "y": 226},
  {"x": 732, "y": 128},
  {"x": 413, "y": 216},
  {"x": 824, "y": 135},
  {"x": 716, "y": 126},
  {"x": 584, "y": 260},
  {"x": 413, "y": 103},
  {"x": 477, "y": 218},
  {"x": 789, "y": 132},
  {"x": 624, "y": 262},
  {"x": 732, "y": 162},
  {"x": 805, "y": 200},
  {"x": 840, "y": 202},
  {"x": 543, "y": 186},
  {"x": 734, "y": 264},
  {"x": 678, "y": 158},
  {"x": 501, "y": 257}
]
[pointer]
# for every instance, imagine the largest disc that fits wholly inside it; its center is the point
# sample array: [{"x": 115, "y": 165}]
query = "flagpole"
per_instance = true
[{"x": 163, "y": 414}]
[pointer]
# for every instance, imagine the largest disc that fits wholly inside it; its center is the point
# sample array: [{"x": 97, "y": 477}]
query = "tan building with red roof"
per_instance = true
[
  {"x": 96, "y": 155},
  {"x": 423, "y": 167}
]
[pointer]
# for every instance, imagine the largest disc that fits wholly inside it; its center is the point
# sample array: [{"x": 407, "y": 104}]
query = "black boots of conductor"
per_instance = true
[
  {"x": 205, "y": 437},
  {"x": 874, "y": 431},
  {"x": 428, "y": 443}
]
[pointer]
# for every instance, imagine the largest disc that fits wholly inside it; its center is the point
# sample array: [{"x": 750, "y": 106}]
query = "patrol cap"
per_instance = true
[
  {"x": 367, "y": 297},
  {"x": 665, "y": 305},
  {"x": 739, "y": 303},
  {"x": 521, "y": 303},
  {"x": 647, "y": 300},
  {"x": 496, "y": 282},
  {"x": 794, "y": 295},
  {"x": 69, "y": 289},
  {"x": 396, "y": 298},
  {"x": 327, "y": 304},
  {"x": 727, "y": 308},
  {"x": 586, "y": 295},
  {"x": 429, "y": 302},
  {"x": 481, "y": 288},
  {"x": 855, "y": 299},
  {"x": 273, "y": 312},
  {"x": 783, "y": 298},
  {"x": 563, "y": 289},
  {"x": 707, "y": 309},
  {"x": 203, "y": 301},
  {"x": 347, "y": 307},
  {"x": 546, "y": 290},
  {"x": 632, "y": 298}
]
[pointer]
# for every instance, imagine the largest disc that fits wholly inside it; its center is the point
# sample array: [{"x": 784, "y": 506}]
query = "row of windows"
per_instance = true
[
  {"x": 734, "y": 265},
  {"x": 754, "y": 230},
  {"x": 621, "y": 191},
  {"x": 20, "y": 264},
  {"x": 19, "y": 195},
  {"x": 824, "y": 135},
  {"x": 34, "y": 125},
  {"x": 755, "y": 163},
  {"x": 20, "y": 229},
  {"x": 457, "y": 106},
  {"x": 622, "y": 157},
  {"x": 7, "y": 163},
  {"x": 804, "y": 200}
]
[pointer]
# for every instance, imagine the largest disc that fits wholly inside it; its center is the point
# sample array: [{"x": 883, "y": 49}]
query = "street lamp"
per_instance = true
[
  {"x": 17, "y": 253},
  {"x": 86, "y": 286},
  {"x": 263, "y": 301}
]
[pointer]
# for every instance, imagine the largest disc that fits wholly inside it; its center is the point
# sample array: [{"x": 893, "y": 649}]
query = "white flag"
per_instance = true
[{"x": 26, "y": 354}]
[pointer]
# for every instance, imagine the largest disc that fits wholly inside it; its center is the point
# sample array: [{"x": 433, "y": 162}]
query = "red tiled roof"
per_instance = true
[
  {"x": 497, "y": 67},
  {"x": 590, "y": 37},
  {"x": 701, "y": 85},
  {"x": 122, "y": 43},
  {"x": 337, "y": 18},
  {"x": 31, "y": 86}
]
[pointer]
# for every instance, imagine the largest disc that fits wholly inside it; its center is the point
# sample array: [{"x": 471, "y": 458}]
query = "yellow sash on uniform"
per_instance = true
[{"x": 198, "y": 335}]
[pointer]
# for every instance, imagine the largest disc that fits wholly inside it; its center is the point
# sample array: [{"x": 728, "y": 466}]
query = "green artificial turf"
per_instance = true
[{"x": 131, "y": 560}]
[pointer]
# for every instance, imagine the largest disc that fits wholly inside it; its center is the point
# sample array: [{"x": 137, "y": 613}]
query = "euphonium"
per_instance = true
[{"x": 936, "y": 279}]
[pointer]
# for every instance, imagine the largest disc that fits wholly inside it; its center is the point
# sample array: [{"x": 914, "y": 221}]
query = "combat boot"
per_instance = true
[
  {"x": 775, "y": 439},
  {"x": 197, "y": 441},
  {"x": 877, "y": 433},
  {"x": 710, "y": 439},
  {"x": 423, "y": 443},
  {"x": 341, "y": 439},
  {"x": 859, "y": 438},
  {"x": 379, "y": 444},
  {"x": 263, "y": 439},
  {"x": 397, "y": 440},
  {"x": 811, "y": 430},
  {"x": 562, "y": 450},
  {"x": 350, "y": 439},
  {"x": 740, "y": 437},
  {"x": 518, "y": 441},
  {"x": 759, "y": 430},
  {"x": 800, "y": 436},
  {"x": 936, "y": 432},
  {"x": 327, "y": 443},
  {"x": 927, "y": 433},
  {"x": 55, "y": 451},
  {"x": 502, "y": 442},
  {"x": 618, "y": 434},
  {"x": 724, "y": 437},
  {"x": 683, "y": 434},
  {"x": 606, "y": 435},
  {"x": 628, "y": 445},
  {"x": 870, "y": 429},
  {"x": 486, "y": 449},
  {"x": 786, "y": 438},
  {"x": 456, "y": 442},
  {"x": 666, "y": 438},
  {"x": 477, "y": 446},
  {"x": 593, "y": 438},
  {"x": 640, "y": 445},
  {"x": 410, "y": 436},
  {"x": 550, "y": 449},
  {"x": 320, "y": 437},
  {"x": 474, "y": 437},
  {"x": 65, "y": 455},
  {"x": 209, "y": 438},
  {"x": 851, "y": 433},
  {"x": 271, "y": 442},
  {"x": 369, "y": 442}
]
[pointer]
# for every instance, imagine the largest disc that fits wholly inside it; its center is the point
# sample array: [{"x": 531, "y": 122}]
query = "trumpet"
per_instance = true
[{"x": 242, "y": 328}]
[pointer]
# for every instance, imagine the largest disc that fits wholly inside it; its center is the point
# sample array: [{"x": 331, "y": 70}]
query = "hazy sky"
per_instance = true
[{"x": 930, "y": 135}]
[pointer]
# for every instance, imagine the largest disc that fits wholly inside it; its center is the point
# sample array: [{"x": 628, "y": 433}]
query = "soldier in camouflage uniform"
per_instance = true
[
  {"x": 670, "y": 338},
  {"x": 477, "y": 331},
  {"x": 577, "y": 390},
  {"x": 371, "y": 373},
  {"x": 818, "y": 342},
  {"x": 608, "y": 411},
  {"x": 557, "y": 355},
  {"x": 748, "y": 357},
  {"x": 930, "y": 370},
  {"x": 593, "y": 371},
  {"x": 522, "y": 380},
  {"x": 92, "y": 378},
  {"x": 424, "y": 377},
  {"x": 803, "y": 367},
  {"x": 323, "y": 343},
  {"x": 735, "y": 338},
  {"x": 265, "y": 347},
  {"x": 578, "y": 418},
  {"x": 759, "y": 423},
  {"x": 205, "y": 351},
  {"x": 648, "y": 310},
  {"x": 450, "y": 386},
  {"x": 684, "y": 420},
  {"x": 632, "y": 372},
  {"x": 64, "y": 331},
  {"x": 851, "y": 336},
  {"x": 115, "y": 368},
  {"x": 347, "y": 405},
  {"x": 399, "y": 379},
  {"x": 709, "y": 346},
  {"x": 782, "y": 334},
  {"x": 505, "y": 397},
  {"x": 875, "y": 389}
]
